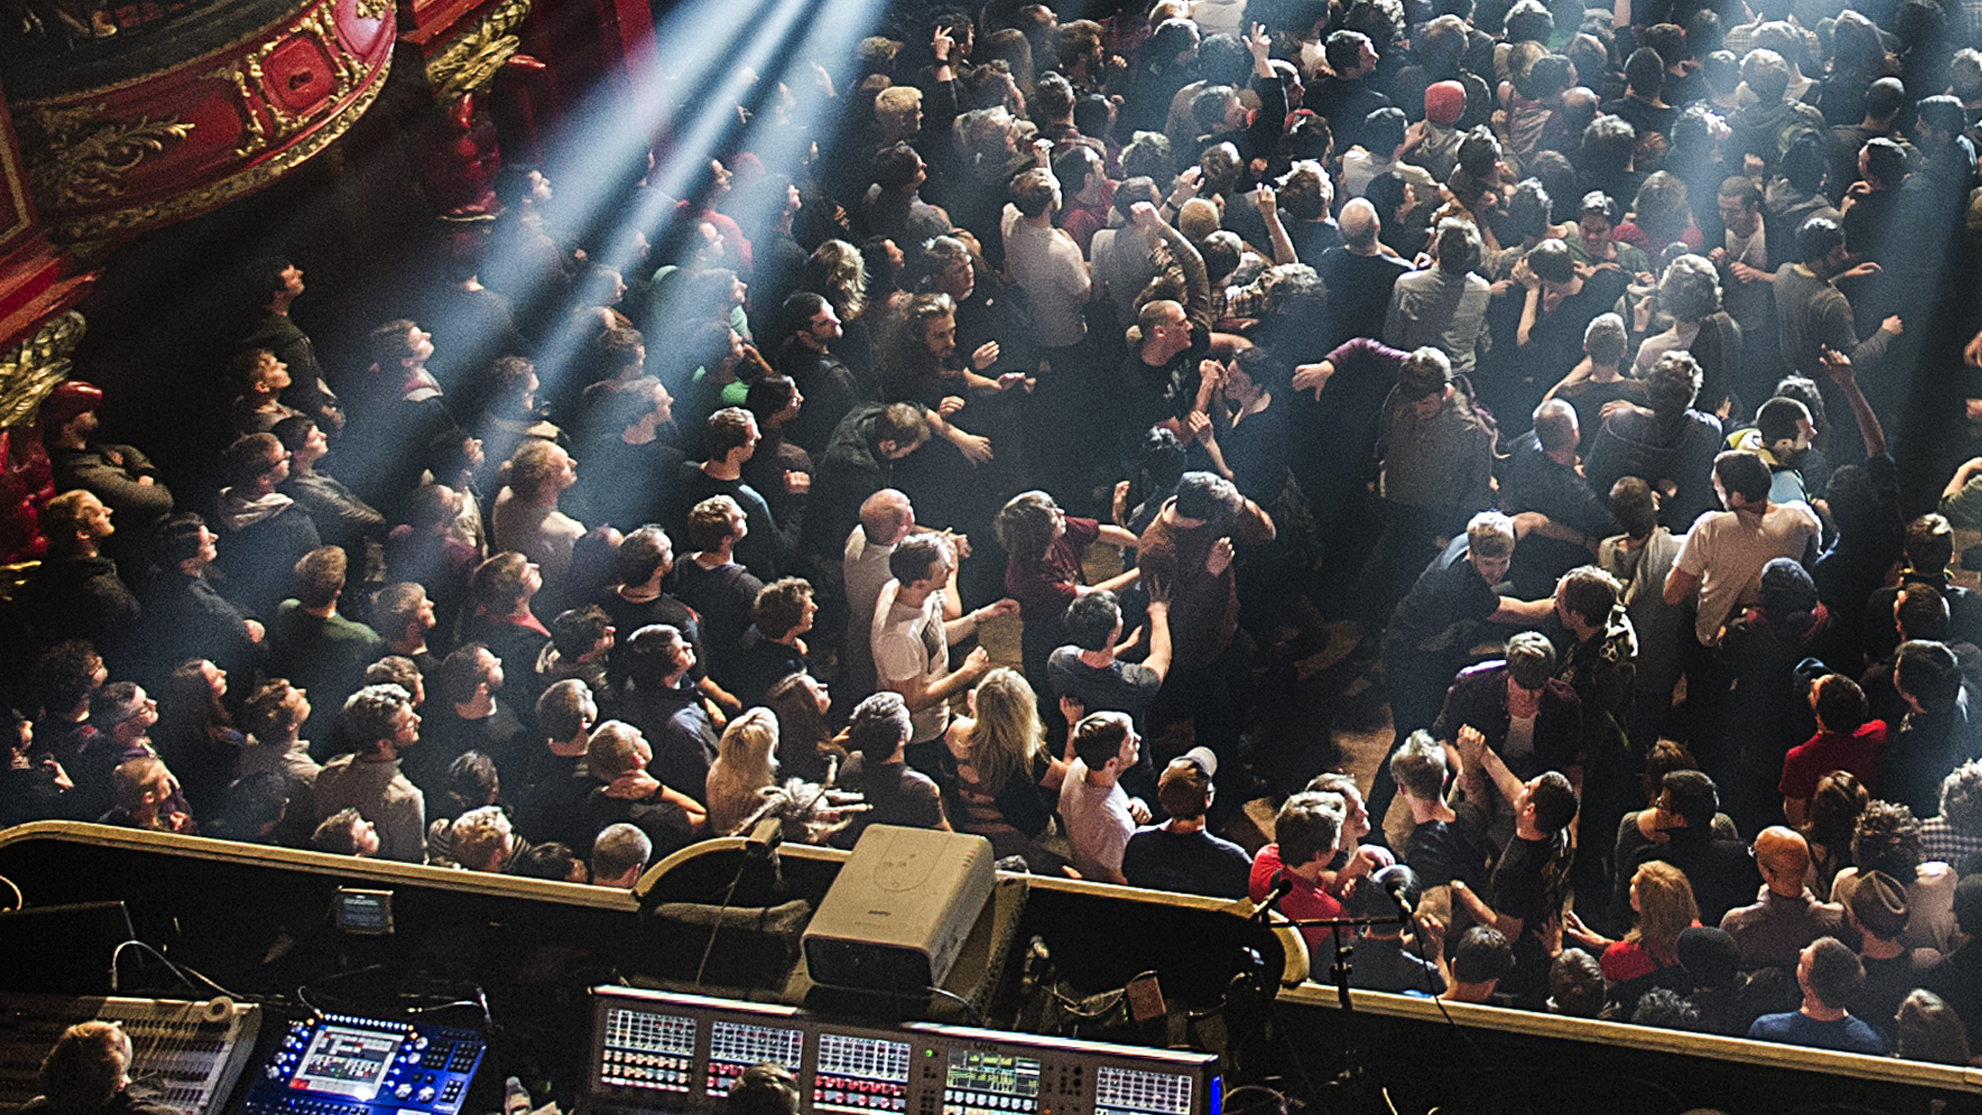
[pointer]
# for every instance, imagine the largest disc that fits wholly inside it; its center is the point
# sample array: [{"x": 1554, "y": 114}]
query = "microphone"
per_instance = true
[
  {"x": 1394, "y": 886},
  {"x": 1283, "y": 885}
]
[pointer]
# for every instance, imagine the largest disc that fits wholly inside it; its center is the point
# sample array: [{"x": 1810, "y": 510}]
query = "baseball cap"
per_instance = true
[{"x": 1184, "y": 784}]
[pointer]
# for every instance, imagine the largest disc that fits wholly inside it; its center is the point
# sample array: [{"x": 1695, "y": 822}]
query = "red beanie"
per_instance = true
[{"x": 1445, "y": 102}]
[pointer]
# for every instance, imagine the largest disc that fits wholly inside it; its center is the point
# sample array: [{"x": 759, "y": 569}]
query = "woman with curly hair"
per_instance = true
[
  {"x": 1888, "y": 839},
  {"x": 746, "y": 767},
  {"x": 1006, "y": 783},
  {"x": 472, "y": 783},
  {"x": 1043, "y": 572},
  {"x": 1689, "y": 294},
  {"x": 837, "y": 271}
]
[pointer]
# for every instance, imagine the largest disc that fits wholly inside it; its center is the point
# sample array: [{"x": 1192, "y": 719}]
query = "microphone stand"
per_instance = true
[{"x": 1351, "y": 1079}]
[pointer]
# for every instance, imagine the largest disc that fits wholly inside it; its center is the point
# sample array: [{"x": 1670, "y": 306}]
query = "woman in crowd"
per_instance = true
[
  {"x": 472, "y": 782},
  {"x": 1648, "y": 956},
  {"x": 1888, "y": 839},
  {"x": 746, "y": 767},
  {"x": 806, "y": 746},
  {"x": 1006, "y": 783},
  {"x": 1044, "y": 548},
  {"x": 526, "y": 517},
  {"x": 196, "y": 735},
  {"x": 1829, "y": 825}
]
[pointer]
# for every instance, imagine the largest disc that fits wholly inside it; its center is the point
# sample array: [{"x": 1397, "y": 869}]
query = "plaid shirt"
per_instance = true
[{"x": 1940, "y": 840}]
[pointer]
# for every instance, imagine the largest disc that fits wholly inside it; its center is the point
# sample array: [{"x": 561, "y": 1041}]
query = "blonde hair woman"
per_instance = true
[
  {"x": 1663, "y": 900},
  {"x": 1006, "y": 781},
  {"x": 746, "y": 768}
]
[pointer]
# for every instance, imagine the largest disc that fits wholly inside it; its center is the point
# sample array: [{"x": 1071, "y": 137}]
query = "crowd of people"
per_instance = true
[{"x": 1584, "y": 364}]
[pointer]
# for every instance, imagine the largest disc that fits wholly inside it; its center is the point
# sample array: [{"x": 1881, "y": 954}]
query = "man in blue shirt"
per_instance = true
[
  {"x": 1830, "y": 974},
  {"x": 1179, "y": 854}
]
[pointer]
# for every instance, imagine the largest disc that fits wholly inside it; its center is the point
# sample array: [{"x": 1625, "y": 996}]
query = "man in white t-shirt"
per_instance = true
[
  {"x": 1723, "y": 555},
  {"x": 886, "y": 517},
  {"x": 910, "y": 638},
  {"x": 1099, "y": 816}
]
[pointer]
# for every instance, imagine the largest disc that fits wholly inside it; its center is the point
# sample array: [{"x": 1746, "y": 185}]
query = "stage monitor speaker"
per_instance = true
[{"x": 898, "y": 914}]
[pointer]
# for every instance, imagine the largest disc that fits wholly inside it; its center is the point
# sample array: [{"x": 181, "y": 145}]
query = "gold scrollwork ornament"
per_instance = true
[
  {"x": 30, "y": 371},
  {"x": 465, "y": 66},
  {"x": 206, "y": 197},
  {"x": 79, "y": 162}
]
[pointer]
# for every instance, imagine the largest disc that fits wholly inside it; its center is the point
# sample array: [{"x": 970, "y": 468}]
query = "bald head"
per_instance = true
[
  {"x": 1360, "y": 224},
  {"x": 1555, "y": 427},
  {"x": 1783, "y": 856},
  {"x": 886, "y": 516}
]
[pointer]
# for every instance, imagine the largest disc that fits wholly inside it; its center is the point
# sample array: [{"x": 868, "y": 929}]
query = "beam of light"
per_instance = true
[
  {"x": 692, "y": 111},
  {"x": 681, "y": 101}
]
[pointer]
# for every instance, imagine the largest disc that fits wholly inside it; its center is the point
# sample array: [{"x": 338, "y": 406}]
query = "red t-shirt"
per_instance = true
[
  {"x": 1082, "y": 222},
  {"x": 1825, "y": 752},
  {"x": 1306, "y": 900},
  {"x": 1629, "y": 960}
]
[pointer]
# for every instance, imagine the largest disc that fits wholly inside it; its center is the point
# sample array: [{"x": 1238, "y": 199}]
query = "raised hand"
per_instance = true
[
  {"x": 977, "y": 663},
  {"x": 1004, "y": 607},
  {"x": 1220, "y": 557},
  {"x": 1313, "y": 377},
  {"x": 1072, "y": 709},
  {"x": 1258, "y": 42},
  {"x": 975, "y": 448}
]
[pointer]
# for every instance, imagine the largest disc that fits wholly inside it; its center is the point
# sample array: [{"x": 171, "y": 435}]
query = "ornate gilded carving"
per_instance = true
[
  {"x": 32, "y": 369},
  {"x": 254, "y": 133},
  {"x": 373, "y": 9},
  {"x": 474, "y": 58},
  {"x": 200, "y": 200},
  {"x": 76, "y": 161},
  {"x": 250, "y": 84}
]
